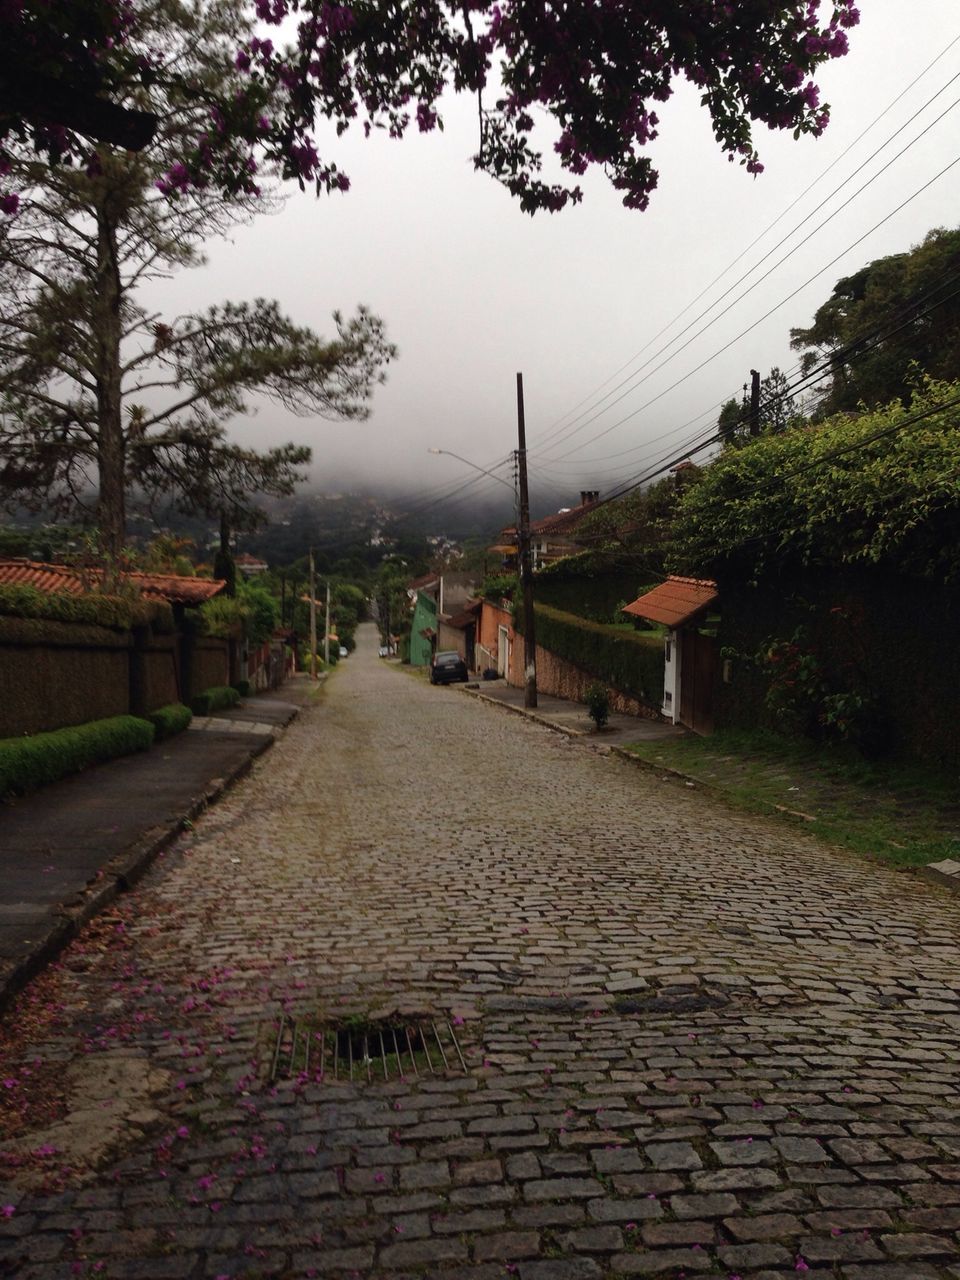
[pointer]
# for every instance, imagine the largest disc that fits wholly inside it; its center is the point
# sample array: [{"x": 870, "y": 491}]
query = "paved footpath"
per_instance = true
[{"x": 696, "y": 1043}]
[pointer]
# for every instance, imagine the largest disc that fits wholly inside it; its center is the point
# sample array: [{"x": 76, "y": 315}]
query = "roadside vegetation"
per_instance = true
[{"x": 903, "y": 813}]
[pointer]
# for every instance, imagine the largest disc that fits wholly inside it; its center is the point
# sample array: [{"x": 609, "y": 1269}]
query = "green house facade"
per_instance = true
[{"x": 423, "y": 630}]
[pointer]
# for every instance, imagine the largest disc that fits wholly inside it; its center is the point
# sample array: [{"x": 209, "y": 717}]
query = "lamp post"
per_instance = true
[{"x": 523, "y": 547}]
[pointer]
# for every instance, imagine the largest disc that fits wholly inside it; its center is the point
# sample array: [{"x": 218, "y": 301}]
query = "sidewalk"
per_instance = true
[
  {"x": 67, "y": 850},
  {"x": 572, "y": 717}
]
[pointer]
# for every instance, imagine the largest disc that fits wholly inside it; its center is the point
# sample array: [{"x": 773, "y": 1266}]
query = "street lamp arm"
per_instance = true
[{"x": 467, "y": 463}]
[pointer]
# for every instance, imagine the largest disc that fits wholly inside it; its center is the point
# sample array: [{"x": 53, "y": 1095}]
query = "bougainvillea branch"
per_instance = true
[{"x": 593, "y": 71}]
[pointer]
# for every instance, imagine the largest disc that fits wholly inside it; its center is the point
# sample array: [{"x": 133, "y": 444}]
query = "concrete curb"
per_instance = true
[
  {"x": 118, "y": 876},
  {"x": 522, "y": 711},
  {"x": 664, "y": 771}
]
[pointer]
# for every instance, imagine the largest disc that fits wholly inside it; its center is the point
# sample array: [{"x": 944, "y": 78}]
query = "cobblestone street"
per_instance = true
[{"x": 697, "y": 1043}]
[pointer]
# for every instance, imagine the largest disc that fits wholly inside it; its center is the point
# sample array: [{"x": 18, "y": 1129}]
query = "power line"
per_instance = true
[
  {"x": 783, "y": 301},
  {"x": 771, "y": 225}
]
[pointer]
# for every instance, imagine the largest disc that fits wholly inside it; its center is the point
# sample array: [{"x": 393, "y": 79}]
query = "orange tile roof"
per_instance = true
[
  {"x": 675, "y": 602},
  {"x": 64, "y": 580}
]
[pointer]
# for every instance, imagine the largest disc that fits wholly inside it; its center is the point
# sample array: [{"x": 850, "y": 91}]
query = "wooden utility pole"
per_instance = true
[
  {"x": 526, "y": 567},
  {"x": 754, "y": 402},
  {"x": 313, "y": 620}
]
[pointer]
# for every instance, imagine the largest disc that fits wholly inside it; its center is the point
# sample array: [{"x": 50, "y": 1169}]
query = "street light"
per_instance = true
[{"x": 467, "y": 463}]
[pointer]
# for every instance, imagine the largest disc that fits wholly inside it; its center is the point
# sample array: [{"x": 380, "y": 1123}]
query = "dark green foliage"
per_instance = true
[
  {"x": 242, "y": 687},
  {"x": 629, "y": 661},
  {"x": 225, "y": 567},
  {"x": 879, "y": 488},
  {"x": 217, "y": 698},
  {"x": 598, "y": 703},
  {"x": 60, "y": 635},
  {"x": 26, "y": 763},
  {"x": 878, "y": 654},
  {"x": 169, "y": 720},
  {"x": 592, "y": 585},
  {"x": 116, "y": 612},
  {"x": 498, "y": 585},
  {"x": 910, "y": 299}
]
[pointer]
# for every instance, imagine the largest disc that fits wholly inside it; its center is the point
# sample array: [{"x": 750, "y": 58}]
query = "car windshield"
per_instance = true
[{"x": 446, "y": 659}]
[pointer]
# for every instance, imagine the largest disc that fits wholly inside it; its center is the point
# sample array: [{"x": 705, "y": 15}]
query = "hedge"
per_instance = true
[
  {"x": 589, "y": 585},
  {"x": 26, "y": 763},
  {"x": 216, "y": 698},
  {"x": 48, "y": 633},
  {"x": 171, "y": 719},
  {"x": 19, "y": 600},
  {"x": 630, "y": 661}
]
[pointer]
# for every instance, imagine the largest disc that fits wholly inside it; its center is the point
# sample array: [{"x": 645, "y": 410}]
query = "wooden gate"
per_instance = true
[{"x": 698, "y": 661}]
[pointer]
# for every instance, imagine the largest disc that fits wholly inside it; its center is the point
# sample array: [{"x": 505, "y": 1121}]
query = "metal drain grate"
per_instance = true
[{"x": 370, "y": 1051}]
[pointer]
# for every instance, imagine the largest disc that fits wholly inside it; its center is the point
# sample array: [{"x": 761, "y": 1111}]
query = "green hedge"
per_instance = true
[
  {"x": 61, "y": 635},
  {"x": 214, "y": 699},
  {"x": 590, "y": 585},
  {"x": 26, "y": 763},
  {"x": 117, "y": 612},
  {"x": 242, "y": 687},
  {"x": 629, "y": 661},
  {"x": 171, "y": 719}
]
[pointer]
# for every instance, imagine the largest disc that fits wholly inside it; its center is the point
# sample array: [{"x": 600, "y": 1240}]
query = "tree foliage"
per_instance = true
[
  {"x": 634, "y": 528},
  {"x": 894, "y": 316},
  {"x": 97, "y": 390},
  {"x": 597, "y": 71},
  {"x": 881, "y": 488}
]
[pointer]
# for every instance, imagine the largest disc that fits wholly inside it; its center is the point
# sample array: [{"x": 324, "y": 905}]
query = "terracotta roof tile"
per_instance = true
[
  {"x": 675, "y": 602},
  {"x": 64, "y": 580}
]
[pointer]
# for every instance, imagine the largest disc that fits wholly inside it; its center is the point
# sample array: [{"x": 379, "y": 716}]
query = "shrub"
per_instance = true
[
  {"x": 216, "y": 698},
  {"x": 117, "y": 612},
  {"x": 242, "y": 687},
  {"x": 629, "y": 661},
  {"x": 598, "y": 703},
  {"x": 26, "y": 763},
  {"x": 171, "y": 719}
]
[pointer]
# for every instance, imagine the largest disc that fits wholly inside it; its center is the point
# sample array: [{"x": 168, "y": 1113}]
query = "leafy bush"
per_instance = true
[
  {"x": 216, "y": 698},
  {"x": 598, "y": 703},
  {"x": 252, "y": 613},
  {"x": 242, "y": 687},
  {"x": 171, "y": 719},
  {"x": 117, "y": 612},
  {"x": 877, "y": 488},
  {"x": 630, "y": 661},
  {"x": 26, "y": 763}
]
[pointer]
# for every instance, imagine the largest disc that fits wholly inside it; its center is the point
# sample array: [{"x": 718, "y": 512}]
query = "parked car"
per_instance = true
[
  {"x": 343, "y": 651},
  {"x": 446, "y": 667}
]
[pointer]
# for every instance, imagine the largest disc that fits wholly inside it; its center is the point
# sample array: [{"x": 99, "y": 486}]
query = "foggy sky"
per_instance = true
[{"x": 472, "y": 290}]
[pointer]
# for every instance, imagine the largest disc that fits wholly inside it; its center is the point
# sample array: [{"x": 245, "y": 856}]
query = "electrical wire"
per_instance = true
[
  {"x": 783, "y": 301},
  {"x": 771, "y": 225}
]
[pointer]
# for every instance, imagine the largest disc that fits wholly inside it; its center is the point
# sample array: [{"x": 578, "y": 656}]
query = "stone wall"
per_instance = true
[{"x": 561, "y": 679}]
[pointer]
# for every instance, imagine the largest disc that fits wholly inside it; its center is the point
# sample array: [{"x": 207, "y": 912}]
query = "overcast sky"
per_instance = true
[{"x": 472, "y": 290}]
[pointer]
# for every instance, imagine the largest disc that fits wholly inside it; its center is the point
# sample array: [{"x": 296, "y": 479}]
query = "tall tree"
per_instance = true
[
  {"x": 778, "y": 404},
  {"x": 97, "y": 390},
  {"x": 598, "y": 70},
  {"x": 882, "y": 325}
]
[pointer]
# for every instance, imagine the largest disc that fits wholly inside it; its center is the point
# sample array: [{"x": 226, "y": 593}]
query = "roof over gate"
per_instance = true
[{"x": 675, "y": 602}]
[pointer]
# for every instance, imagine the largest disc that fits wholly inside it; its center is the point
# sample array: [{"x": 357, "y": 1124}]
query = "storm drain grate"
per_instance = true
[{"x": 371, "y": 1051}]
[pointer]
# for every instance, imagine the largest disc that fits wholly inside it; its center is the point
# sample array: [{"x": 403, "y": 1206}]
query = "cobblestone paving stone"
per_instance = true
[{"x": 699, "y": 1044}]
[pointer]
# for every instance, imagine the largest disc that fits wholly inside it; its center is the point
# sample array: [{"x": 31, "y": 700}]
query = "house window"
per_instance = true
[
  {"x": 668, "y": 650},
  {"x": 667, "y": 698}
]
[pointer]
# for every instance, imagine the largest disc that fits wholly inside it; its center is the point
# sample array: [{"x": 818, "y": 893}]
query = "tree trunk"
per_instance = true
[{"x": 111, "y": 454}]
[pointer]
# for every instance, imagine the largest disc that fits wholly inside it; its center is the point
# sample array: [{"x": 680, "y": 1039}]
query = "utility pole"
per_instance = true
[
  {"x": 526, "y": 568},
  {"x": 326, "y": 629},
  {"x": 754, "y": 402},
  {"x": 313, "y": 620}
]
